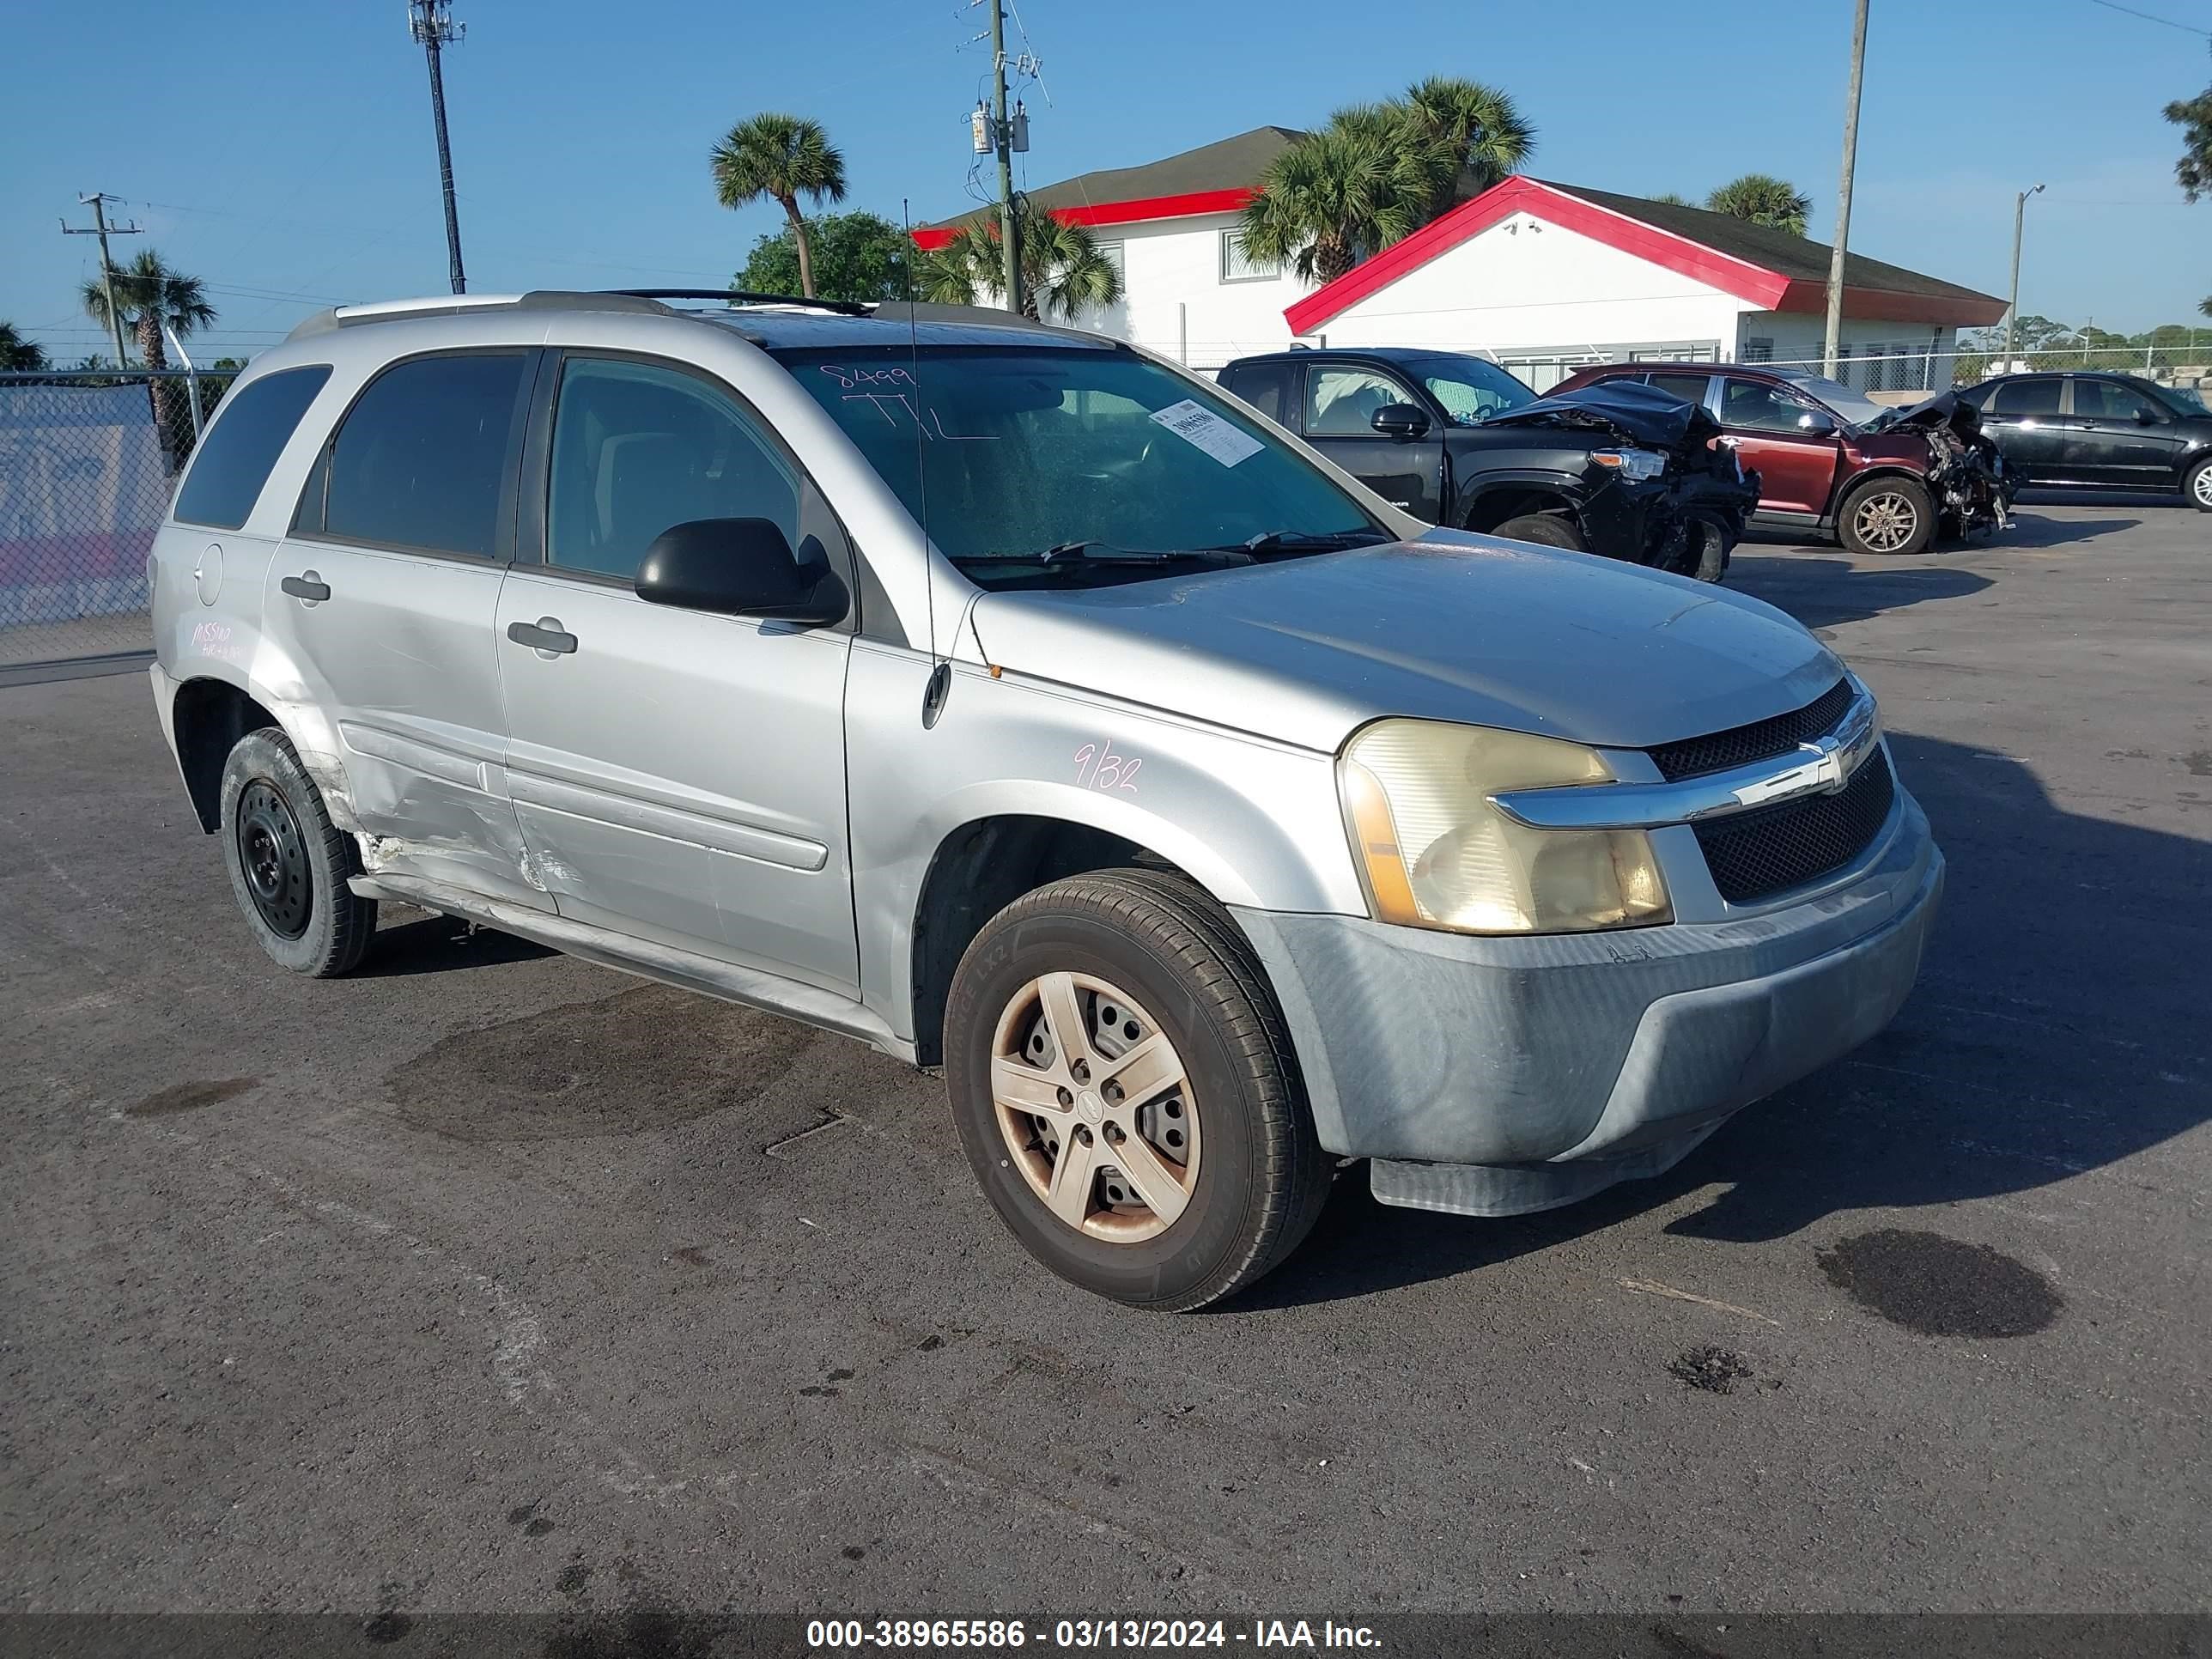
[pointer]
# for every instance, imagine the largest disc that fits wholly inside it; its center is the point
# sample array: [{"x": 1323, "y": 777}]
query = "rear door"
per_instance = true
[
  {"x": 1772, "y": 431},
  {"x": 679, "y": 777},
  {"x": 1337, "y": 413},
  {"x": 2022, "y": 417},
  {"x": 1270, "y": 387},
  {"x": 383, "y": 596},
  {"x": 2115, "y": 435}
]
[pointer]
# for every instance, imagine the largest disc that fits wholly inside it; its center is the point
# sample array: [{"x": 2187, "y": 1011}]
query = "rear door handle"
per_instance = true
[
  {"x": 546, "y": 634},
  {"x": 309, "y": 586}
]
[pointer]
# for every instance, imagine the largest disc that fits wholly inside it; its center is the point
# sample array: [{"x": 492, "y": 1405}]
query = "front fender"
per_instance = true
[{"x": 1255, "y": 821}]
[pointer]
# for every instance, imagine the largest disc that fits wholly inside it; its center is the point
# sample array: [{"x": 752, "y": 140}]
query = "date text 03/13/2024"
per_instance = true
[{"x": 987, "y": 1634}]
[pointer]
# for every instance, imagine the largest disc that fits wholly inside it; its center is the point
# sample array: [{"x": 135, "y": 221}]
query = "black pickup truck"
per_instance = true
[{"x": 1618, "y": 469}]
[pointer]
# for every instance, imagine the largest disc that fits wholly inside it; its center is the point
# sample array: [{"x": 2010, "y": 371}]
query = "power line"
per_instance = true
[{"x": 2150, "y": 17}]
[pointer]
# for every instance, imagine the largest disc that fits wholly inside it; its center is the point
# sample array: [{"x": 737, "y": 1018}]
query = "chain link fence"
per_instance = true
[{"x": 88, "y": 463}]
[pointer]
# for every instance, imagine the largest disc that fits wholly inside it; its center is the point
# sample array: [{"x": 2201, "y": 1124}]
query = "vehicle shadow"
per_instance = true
[
  {"x": 2032, "y": 529},
  {"x": 2056, "y": 1029},
  {"x": 1821, "y": 593},
  {"x": 436, "y": 944}
]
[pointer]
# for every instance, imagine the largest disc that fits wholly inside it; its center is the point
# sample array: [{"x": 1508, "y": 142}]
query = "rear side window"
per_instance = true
[
  {"x": 251, "y": 430},
  {"x": 425, "y": 456},
  {"x": 2026, "y": 398},
  {"x": 1266, "y": 387},
  {"x": 1690, "y": 388}
]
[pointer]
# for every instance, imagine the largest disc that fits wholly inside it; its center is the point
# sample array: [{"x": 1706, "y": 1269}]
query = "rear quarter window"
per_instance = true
[{"x": 251, "y": 429}]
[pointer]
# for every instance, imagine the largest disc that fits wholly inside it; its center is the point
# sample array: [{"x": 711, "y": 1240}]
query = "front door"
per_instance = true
[
  {"x": 1340, "y": 402},
  {"x": 2115, "y": 435},
  {"x": 679, "y": 776},
  {"x": 1777, "y": 436},
  {"x": 2022, "y": 417},
  {"x": 381, "y": 600}
]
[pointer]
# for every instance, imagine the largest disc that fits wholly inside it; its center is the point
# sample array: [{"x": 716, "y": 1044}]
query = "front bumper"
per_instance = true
[{"x": 1499, "y": 1076}]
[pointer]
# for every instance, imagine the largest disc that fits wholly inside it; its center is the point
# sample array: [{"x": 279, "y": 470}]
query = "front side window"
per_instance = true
[
  {"x": 250, "y": 432},
  {"x": 1341, "y": 400},
  {"x": 1238, "y": 266},
  {"x": 1088, "y": 449},
  {"x": 1755, "y": 406},
  {"x": 2030, "y": 397},
  {"x": 639, "y": 448},
  {"x": 423, "y": 457},
  {"x": 2108, "y": 400},
  {"x": 1472, "y": 390},
  {"x": 1266, "y": 387}
]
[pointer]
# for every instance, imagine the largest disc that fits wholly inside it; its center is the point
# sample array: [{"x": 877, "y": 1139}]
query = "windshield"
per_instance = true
[
  {"x": 1471, "y": 390},
  {"x": 2185, "y": 401},
  {"x": 1854, "y": 406},
  {"x": 1088, "y": 454}
]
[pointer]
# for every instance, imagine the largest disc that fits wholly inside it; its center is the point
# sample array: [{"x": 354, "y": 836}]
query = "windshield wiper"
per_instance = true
[
  {"x": 1306, "y": 541},
  {"x": 1095, "y": 552}
]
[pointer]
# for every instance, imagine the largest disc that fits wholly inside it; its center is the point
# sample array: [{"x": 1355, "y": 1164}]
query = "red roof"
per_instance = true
[{"x": 1770, "y": 268}]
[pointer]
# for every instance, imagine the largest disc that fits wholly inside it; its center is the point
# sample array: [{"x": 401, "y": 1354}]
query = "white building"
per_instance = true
[{"x": 1544, "y": 277}]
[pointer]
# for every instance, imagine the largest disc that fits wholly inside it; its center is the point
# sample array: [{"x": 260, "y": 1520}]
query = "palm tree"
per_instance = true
[
  {"x": 1376, "y": 173},
  {"x": 149, "y": 294},
  {"x": 1671, "y": 199},
  {"x": 1062, "y": 270},
  {"x": 18, "y": 352},
  {"x": 1480, "y": 132},
  {"x": 782, "y": 158},
  {"x": 1763, "y": 200}
]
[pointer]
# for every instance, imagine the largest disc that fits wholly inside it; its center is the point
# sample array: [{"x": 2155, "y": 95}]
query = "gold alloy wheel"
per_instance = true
[
  {"x": 1884, "y": 520},
  {"x": 1095, "y": 1107}
]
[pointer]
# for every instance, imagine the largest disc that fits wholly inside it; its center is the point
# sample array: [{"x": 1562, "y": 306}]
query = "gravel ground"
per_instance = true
[{"x": 492, "y": 1280}]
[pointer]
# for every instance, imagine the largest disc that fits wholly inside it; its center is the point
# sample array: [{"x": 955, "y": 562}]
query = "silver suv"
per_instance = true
[{"x": 1022, "y": 705}]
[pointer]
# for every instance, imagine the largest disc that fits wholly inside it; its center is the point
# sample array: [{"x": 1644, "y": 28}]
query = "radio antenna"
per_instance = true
[{"x": 940, "y": 684}]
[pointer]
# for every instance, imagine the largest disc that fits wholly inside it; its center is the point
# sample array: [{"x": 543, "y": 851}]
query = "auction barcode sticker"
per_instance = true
[{"x": 1195, "y": 423}]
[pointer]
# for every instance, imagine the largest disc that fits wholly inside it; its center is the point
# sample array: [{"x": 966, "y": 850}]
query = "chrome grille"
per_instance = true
[
  {"x": 1770, "y": 850},
  {"x": 1761, "y": 740}
]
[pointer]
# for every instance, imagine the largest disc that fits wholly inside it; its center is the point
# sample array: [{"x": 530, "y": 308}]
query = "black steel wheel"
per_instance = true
[{"x": 288, "y": 864}]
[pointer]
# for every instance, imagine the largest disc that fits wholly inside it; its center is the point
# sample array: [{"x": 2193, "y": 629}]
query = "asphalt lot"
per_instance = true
[{"x": 493, "y": 1280}]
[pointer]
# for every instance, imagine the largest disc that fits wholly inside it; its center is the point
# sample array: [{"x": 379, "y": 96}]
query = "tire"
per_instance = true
[
  {"x": 1887, "y": 518},
  {"x": 288, "y": 866},
  {"x": 2197, "y": 486},
  {"x": 1545, "y": 530},
  {"x": 1165, "y": 959},
  {"x": 1707, "y": 560}
]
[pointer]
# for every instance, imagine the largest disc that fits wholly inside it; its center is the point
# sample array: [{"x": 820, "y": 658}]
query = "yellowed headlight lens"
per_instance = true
[{"x": 1435, "y": 852}]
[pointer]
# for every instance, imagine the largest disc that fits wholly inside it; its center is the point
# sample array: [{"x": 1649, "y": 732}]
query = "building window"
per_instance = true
[
  {"x": 1235, "y": 267},
  {"x": 1114, "y": 255},
  {"x": 1759, "y": 349}
]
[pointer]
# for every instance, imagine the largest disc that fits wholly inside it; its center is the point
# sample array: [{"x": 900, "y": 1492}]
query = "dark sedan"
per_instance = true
[{"x": 2099, "y": 431}]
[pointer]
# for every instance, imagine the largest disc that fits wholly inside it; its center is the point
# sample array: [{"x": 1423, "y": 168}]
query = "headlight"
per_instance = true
[
  {"x": 1634, "y": 464},
  {"x": 1435, "y": 852}
]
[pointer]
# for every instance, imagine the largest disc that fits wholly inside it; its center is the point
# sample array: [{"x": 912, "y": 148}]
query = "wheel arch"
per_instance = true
[
  {"x": 1491, "y": 502},
  {"x": 208, "y": 718},
  {"x": 1878, "y": 474}
]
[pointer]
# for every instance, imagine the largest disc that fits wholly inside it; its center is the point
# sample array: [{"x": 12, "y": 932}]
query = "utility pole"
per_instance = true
[
  {"x": 1830, "y": 354},
  {"x": 2012, "y": 306},
  {"x": 98, "y": 202},
  {"x": 431, "y": 23},
  {"x": 1008, "y": 242}
]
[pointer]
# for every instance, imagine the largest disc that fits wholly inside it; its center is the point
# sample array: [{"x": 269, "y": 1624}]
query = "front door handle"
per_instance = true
[
  {"x": 310, "y": 586},
  {"x": 2088, "y": 426},
  {"x": 545, "y": 636}
]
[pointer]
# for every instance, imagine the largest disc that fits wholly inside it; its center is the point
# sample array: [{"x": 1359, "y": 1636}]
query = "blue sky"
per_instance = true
[{"x": 285, "y": 155}]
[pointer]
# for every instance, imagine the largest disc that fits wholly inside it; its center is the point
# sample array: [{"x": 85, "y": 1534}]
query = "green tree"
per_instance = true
[
  {"x": 1763, "y": 199},
  {"x": 780, "y": 158},
  {"x": 856, "y": 256},
  {"x": 2193, "y": 172},
  {"x": 1062, "y": 270},
  {"x": 149, "y": 294},
  {"x": 1374, "y": 173},
  {"x": 1671, "y": 199},
  {"x": 18, "y": 352}
]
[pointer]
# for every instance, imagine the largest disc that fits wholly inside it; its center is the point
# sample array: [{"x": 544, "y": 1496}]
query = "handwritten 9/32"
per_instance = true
[{"x": 1097, "y": 767}]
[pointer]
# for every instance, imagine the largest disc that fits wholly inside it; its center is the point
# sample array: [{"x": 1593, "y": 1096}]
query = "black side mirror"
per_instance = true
[
  {"x": 1400, "y": 420},
  {"x": 2144, "y": 416},
  {"x": 739, "y": 567}
]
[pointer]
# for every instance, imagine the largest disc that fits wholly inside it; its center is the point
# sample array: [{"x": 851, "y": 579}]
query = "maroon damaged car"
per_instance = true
[{"x": 1832, "y": 461}]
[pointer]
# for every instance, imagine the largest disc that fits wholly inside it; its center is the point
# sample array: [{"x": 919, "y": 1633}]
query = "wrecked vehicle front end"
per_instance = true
[
  {"x": 1973, "y": 489},
  {"x": 1673, "y": 495}
]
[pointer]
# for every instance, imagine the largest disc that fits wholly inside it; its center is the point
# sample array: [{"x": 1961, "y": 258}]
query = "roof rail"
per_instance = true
[
  {"x": 455, "y": 305},
  {"x": 737, "y": 296}
]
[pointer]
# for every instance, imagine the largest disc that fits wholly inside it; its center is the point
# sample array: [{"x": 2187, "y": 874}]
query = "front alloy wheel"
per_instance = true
[
  {"x": 1888, "y": 516},
  {"x": 1095, "y": 1107}
]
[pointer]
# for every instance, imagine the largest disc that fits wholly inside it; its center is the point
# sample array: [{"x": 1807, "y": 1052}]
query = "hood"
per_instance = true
[
  {"x": 1944, "y": 408},
  {"x": 1452, "y": 626},
  {"x": 1627, "y": 409}
]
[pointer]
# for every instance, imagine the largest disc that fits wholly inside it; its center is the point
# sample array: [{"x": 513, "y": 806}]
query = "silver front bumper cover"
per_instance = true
[{"x": 1500, "y": 1076}]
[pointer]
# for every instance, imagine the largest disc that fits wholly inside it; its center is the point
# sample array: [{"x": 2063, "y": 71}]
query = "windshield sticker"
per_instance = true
[{"x": 1194, "y": 423}]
